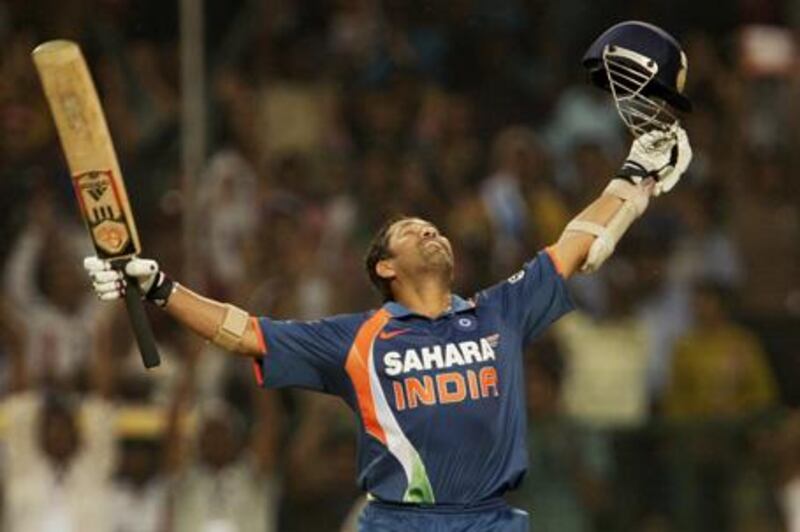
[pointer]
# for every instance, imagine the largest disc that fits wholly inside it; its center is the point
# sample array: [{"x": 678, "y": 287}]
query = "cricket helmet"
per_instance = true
[{"x": 643, "y": 67}]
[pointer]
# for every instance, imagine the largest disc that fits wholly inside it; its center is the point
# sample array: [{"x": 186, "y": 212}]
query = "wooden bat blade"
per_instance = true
[
  {"x": 95, "y": 171},
  {"x": 88, "y": 148}
]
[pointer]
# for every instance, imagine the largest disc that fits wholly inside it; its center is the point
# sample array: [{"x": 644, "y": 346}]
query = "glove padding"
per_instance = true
[
  {"x": 109, "y": 283},
  {"x": 662, "y": 155}
]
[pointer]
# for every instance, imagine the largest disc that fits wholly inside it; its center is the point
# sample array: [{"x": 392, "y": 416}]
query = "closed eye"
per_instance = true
[{"x": 418, "y": 228}]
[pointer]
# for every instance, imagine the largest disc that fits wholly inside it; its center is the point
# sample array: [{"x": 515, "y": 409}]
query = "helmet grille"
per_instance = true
[{"x": 629, "y": 73}]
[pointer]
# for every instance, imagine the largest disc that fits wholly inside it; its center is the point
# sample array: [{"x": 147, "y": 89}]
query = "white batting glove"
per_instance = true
[
  {"x": 682, "y": 156},
  {"x": 110, "y": 283},
  {"x": 662, "y": 155}
]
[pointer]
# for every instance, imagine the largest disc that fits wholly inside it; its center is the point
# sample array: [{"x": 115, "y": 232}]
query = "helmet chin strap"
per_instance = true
[{"x": 628, "y": 73}]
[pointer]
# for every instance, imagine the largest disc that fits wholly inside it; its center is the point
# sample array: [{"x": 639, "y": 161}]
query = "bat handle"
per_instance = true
[{"x": 141, "y": 326}]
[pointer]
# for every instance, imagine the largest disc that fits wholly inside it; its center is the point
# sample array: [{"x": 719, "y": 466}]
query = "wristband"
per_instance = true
[
  {"x": 161, "y": 290},
  {"x": 633, "y": 172}
]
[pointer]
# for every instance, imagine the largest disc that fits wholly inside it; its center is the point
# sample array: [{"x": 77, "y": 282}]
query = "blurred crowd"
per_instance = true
[{"x": 667, "y": 402}]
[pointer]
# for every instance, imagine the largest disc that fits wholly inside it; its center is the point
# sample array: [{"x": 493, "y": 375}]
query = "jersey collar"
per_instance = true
[{"x": 457, "y": 304}]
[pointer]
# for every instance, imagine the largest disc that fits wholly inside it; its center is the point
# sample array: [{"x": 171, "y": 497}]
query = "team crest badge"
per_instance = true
[{"x": 466, "y": 323}]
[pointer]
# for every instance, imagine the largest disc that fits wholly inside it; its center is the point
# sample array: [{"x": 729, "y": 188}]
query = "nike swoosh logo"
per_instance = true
[{"x": 388, "y": 335}]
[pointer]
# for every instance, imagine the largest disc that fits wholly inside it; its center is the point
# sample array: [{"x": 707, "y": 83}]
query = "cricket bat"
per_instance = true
[{"x": 96, "y": 177}]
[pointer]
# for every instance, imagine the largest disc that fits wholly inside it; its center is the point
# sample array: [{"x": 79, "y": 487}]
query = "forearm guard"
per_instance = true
[{"x": 635, "y": 199}]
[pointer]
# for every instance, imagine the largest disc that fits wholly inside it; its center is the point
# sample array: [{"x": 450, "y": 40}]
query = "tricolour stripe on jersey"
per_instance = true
[
  {"x": 377, "y": 416},
  {"x": 358, "y": 368}
]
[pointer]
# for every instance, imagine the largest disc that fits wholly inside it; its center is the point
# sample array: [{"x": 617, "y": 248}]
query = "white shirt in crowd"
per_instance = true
[
  {"x": 236, "y": 499},
  {"x": 38, "y": 497},
  {"x": 138, "y": 510}
]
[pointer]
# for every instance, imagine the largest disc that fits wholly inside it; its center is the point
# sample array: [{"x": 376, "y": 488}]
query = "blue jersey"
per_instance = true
[{"x": 441, "y": 401}]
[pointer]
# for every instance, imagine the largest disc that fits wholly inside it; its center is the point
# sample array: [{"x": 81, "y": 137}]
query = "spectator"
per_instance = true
[
  {"x": 42, "y": 282},
  {"x": 720, "y": 380},
  {"x": 567, "y": 488},
  {"x": 228, "y": 194},
  {"x": 221, "y": 480},
  {"x": 706, "y": 249},
  {"x": 720, "y": 369},
  {"x": 606, "y": 389},
  {"x": 60, "y": 453},
  {"x": 764, "y": 203},
  {"x": 518, "y": 199},
  {"x": 139, "y": 494},
  {"x": 605, "y": 381},
  {"x": 320, "y": 498}
]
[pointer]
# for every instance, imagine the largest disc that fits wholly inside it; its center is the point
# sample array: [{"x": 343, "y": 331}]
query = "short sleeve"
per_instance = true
[
  {"x": 306, "y": 354},
  {"x": 531, "y": 299}
]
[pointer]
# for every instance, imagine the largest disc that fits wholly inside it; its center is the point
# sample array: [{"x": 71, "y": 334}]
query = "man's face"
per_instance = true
[
  {"x": 58, "y": 435},
  {"x": 417, "y": 246},
  {"x": 218, "y": 443}
]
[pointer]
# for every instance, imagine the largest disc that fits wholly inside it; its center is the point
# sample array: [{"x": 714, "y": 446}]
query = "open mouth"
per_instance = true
[
  {"x": 436, "y": 244},
  {"x": 437, "y": 247}
]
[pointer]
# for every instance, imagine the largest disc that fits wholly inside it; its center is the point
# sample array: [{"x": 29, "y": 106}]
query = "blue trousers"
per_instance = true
[{"x": 492, "y": 516}]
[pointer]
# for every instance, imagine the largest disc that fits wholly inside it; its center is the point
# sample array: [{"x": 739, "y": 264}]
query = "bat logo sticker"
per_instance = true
[
  {"x": 103, "y": 212},
  {"x": 111, "y": 236}
]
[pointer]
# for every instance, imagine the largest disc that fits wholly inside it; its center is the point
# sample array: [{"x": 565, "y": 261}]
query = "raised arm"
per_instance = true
[
  {"x": 206, "y": 317},
  {"x": 573, "y": 246},
  {"x": 224, "y": 324},
  {"x": 12, "y": 336},
  {"x": 18, "y": 283},
  {"x": 654, "y": 165}
]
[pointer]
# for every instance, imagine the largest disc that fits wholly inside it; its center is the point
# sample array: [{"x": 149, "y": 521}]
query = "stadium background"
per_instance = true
[{"x": 668, "y": 402}]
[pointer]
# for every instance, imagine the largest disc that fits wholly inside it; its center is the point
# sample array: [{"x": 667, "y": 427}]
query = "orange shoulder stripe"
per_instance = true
[{"x": 357, "y": 367}]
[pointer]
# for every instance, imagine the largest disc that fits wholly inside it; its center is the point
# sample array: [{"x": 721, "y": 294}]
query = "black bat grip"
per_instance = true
[{"x": 141, "y": 326}]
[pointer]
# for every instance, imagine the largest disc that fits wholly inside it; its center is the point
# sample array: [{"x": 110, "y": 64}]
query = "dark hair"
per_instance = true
[
  {"x": 379, "y": 250},
  {"x": 58, "y": 404}
]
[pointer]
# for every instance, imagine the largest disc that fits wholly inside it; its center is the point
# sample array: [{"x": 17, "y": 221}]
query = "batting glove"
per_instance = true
[
  {"x": 662, "y": 155},
  {"x": 110, "y": 283}
]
